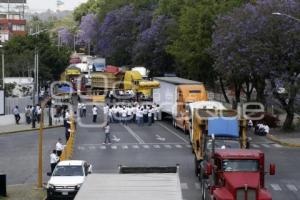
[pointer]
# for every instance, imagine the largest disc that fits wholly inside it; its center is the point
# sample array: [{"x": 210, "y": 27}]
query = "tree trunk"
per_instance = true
[
  {"x": 260, "y": 89},
  {"x": 288, "y": 123},
  {"x": 237, "y": 93},
  {"x": 223, "y": 90}
]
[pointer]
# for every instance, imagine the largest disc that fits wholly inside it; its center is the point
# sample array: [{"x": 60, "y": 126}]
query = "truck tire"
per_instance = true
[{"x": 174, "y": 123}]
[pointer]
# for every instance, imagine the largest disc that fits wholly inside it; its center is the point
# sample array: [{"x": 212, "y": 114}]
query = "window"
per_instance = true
[
  {"x": 195, "y": 91},
  {"x": 240, "y": 165},
  {"x": 68, "y": 171},
  {"x": 16, "y": 27}
]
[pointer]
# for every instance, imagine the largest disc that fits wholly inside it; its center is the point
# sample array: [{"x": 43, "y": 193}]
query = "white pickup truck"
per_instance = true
[{"x": 67, "y": 178}]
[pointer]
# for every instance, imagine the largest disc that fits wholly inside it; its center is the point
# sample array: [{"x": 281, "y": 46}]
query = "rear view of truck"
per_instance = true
[
  {"x": 229, "y": 132},
  {"x": 143, "y": 183}
]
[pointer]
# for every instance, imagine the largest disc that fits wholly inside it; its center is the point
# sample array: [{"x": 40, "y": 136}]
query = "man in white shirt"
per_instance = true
[
  {"x": 95, "y": 113},
  {"x": 83, "y": 106},
  {"x": 53, "y": 160},
  {"x": 107, "y": 134},
  {"x": 105, "y": 111},
  {"x": 129, "y": 114},
  {"x": 124, "y": 116},
  {"x": 59, "y": 147}
]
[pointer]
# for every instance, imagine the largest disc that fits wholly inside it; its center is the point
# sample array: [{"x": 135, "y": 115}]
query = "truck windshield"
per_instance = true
[
  {"x": 68, "y": 171},
  {"x": 240, "y": 165},
  {"x": 224, "y": 144}
]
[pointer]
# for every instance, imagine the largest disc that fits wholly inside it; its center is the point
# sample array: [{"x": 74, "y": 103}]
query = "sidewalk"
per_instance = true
[
  {"x": 290, "y": 139},
  {"x": 24, "y": 192},
  {"x": 22, "y": 127}
]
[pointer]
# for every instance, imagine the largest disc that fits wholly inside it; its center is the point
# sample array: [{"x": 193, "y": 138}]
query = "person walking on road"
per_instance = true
[
  {"x": 59, "y": 147},
  {"x": 53, "y": 160},
  {"x": 107, "y": 134},
  {"x": 17, "y": 114},
  {"x": 95, "y": 113},
  {"x": 83, "y": 107}
]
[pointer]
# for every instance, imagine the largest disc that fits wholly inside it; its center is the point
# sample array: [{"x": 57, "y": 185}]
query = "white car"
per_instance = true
[{"x": 67, "y": 178}]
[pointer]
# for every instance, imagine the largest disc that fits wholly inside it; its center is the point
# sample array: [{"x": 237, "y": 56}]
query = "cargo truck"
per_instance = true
[
  {"x": 174, "y": 95},
  {"x": 235, "y": 174},
  {"x": 229, "y": 130},
  {"x": 144, "y": 183}
]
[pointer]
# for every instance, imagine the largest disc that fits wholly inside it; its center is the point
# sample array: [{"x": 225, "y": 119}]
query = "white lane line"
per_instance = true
[
  {"x": 168, "y": 146},
  {"x": 156, "y": 146},
  {"x": 188, "y": 146},
  {"x": 114, "y": 147},
  {"x": 103, "y": 147},
  {"x": 92, "y": 147},
  {"x": 184, "y": 186},
  {"x": 276, "y": 187},
  {"x": 292, "y": 187},
  {"x": 134, "y": 135},
  {"x": 255, "y": 145},
  {"x": 178, "y": 146},
  {"x": 80, "y": 148},
  {"x": 277, "y": 145},
  {"x": 266, "y": 145},
  {"x": 124, "y": 147},
  {"x": 197, "y": 186},
  {"x": 135, "y": 146},
  {"x": 146, "y": 146},
  {"x": 173, "y": 132}
]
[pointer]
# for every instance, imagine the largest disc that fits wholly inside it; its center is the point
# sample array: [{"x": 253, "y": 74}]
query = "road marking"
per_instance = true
[
  {"x": 156, "y": 146},
  {"x": 277, "y": 145},
  {"x": 146, "y": 146},
  {"x": 80, "y": 148},
  {"x": 184, "y": 186},
  {"x": 197, "y": 186},
  {"x": 178, "y": 146},
  {"x": 92, "y": 147},
  {"x": 134, "y": 134},
  {"x": 115, "y": 138},
  {"x": 124, "y": 147},
  {"x": 292, "y": 187},
  {"x": 266, "y": 145},
  {"x": 168, "y": 146},
  {"x": 254, "y": 145},
  {"x": 174, "y": 133},
  {"x": 158, "y": 137},
  {"x": 188, "y": 146},
  {"x": 113, "y": 147},
  {"x": 135, "y": 146},
  {"x": 103, "y": 147},
  {"x": 276, "y": 187}
]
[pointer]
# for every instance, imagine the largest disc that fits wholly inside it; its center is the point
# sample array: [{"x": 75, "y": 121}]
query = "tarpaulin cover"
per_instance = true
[{"x": 223, "y": 126}]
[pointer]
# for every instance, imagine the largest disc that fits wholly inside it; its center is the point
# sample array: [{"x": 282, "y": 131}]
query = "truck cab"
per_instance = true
[
  {"x": 235, "y": 174},
  {"x": 67, "y": 178}
]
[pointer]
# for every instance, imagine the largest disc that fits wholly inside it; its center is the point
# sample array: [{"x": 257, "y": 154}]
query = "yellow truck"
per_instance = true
[{"x": 228, "y": 130}]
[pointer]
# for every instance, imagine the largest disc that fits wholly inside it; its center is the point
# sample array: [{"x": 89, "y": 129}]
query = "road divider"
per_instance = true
[
  {"x": 281, "y": 142},
  {"x": 69, "y": 148}
]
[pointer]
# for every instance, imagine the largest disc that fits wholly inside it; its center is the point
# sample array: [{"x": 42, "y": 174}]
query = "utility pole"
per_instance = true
[{"x": 3, "y": 75}]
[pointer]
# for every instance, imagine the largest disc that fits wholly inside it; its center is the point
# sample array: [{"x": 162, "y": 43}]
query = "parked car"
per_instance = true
[{"x": 67, "y": 178}]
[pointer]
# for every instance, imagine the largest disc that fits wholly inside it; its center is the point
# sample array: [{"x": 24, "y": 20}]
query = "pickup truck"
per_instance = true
[{"x": 67, "y": 178}]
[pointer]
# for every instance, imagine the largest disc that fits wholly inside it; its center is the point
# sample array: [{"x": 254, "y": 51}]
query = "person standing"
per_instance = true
[
  {"x": 150, "y": 117},
  {"x": 59, "y": 147},
  {"x": 17, "y": 114},
  {"x": 53, "y": 160},
  {"x": 105, "y": 112},
  {"x": 28, "y": 114},
  {"x": 107, "y": 134},
  {"x": 83, "y": 107},
  {"x": 80, "y": 109},
  {"x": 250, "y": 125},
  {"x": 39, "y": 113},
  {"x": 124, "y": 116},
  {"x": 95, "y": 113}
]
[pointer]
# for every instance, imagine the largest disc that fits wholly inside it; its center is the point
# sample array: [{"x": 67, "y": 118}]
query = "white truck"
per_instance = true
[{"x": 142, "y": 183}]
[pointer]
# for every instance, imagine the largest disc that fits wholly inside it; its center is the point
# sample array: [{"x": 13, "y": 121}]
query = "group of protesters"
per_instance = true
[{"x": 132, "y": 113}]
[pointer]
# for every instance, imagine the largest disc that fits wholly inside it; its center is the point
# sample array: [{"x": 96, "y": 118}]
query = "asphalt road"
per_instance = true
[
  {"x": 163, "y": 145},
  {"x": 156, "y": 145}
]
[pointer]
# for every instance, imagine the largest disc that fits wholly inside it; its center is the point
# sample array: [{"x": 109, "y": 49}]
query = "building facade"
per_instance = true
[{"x": 12, "y": 20}]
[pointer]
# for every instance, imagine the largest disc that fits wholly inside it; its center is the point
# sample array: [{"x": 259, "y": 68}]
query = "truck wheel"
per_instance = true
[
  {"x": 174, "y": 123},
  {"x": 186, "y": 132}
]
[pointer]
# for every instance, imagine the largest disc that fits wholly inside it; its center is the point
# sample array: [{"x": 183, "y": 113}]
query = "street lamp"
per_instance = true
[
  {"x": 3, "y": 75},
  {"x": 286, "y": 15}
]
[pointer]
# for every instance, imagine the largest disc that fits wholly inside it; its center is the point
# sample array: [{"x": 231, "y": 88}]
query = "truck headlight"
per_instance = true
[
  {"x": 50, "y": 186},
  {"x": 78, "y": 186}
]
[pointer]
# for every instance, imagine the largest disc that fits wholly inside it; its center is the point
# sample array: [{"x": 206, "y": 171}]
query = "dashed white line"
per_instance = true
[
  {"x": 134, "y": 134},
  {"x": 124, "y": 147},
  {"x": 254, "y": 145},
  {"x": 80, "y": 148},
  {"x": 292, "y": 187},
  {"x": 103, "y": 147},
  {"x": 178, "y": 146},
  {"x": 156, "y": 146},
  {"x": 173, "y": 132},
  {"x": 184, "y": 186},
  {"x": 92, "y": 147},
  {"x": 135, "y": 146},
  {"x": 277, "y": 145},
  {"x": 188, "y": 146},
  {"x": 276, "y": 187},
  {"x": 168, "y": 146},
  {"x": 146, "y": 146},
  {"x": 113, "y": 147}
]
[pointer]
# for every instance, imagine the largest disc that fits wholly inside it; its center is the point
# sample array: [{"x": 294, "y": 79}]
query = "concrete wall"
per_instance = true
[{"x": 10, "y": 119}]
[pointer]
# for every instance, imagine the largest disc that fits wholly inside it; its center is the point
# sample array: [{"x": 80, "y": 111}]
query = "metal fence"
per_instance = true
[{"x": 21, "y": 102}]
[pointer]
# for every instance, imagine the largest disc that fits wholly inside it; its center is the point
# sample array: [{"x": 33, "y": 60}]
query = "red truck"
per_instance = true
[{"x": 235, "y": 174}]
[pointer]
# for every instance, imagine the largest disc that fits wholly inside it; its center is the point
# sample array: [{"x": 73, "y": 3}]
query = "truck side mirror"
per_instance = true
[
  {"x": 90, "y": 169},
  {"x": 49, "y": 174},
  {"x": 272, "y": 169},
  {"x": 208, "y": 169}
]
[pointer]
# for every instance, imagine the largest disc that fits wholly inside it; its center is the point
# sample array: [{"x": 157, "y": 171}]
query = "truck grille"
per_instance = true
[
  {"x": 65, "y": 187},
  {"x": 249, "y": 194}
]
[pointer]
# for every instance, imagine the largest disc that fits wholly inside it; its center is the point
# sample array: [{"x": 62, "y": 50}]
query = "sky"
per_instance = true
[{"x": 43, "y": 5}]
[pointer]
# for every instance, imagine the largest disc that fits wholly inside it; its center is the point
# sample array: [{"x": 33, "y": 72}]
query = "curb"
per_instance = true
[
  {"x": 29, "y": 129},
  {"x": 275, "y": 139}
]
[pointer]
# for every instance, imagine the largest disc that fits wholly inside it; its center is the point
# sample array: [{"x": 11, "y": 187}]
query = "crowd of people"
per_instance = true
[
  {"x": 32, "y": 113},
  {"x": 132, "y": 113}
]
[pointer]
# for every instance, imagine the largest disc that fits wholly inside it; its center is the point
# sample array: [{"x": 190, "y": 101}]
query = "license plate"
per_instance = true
[{"x": 64, "y": 193}]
